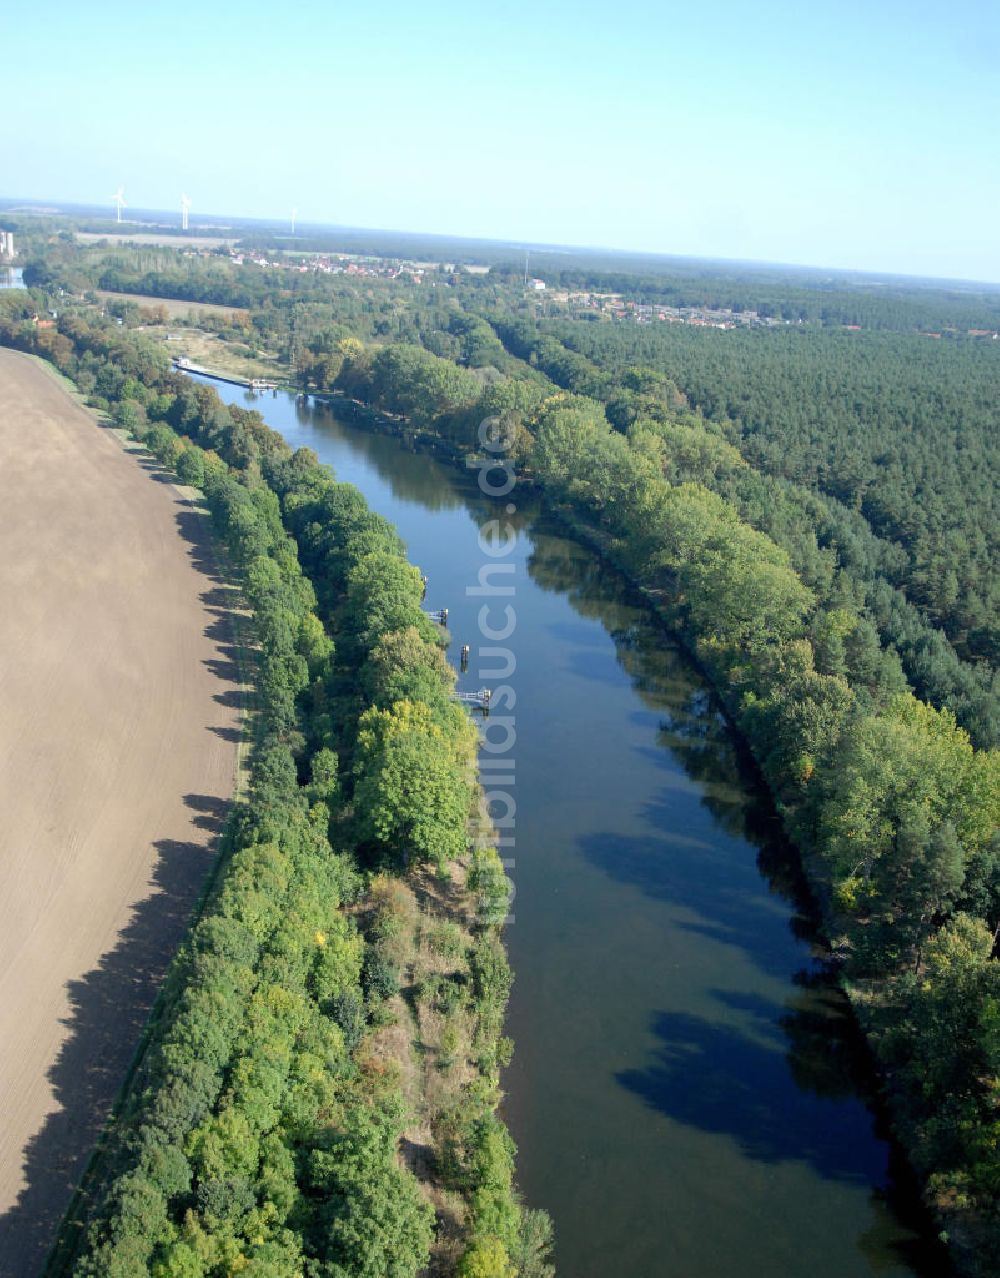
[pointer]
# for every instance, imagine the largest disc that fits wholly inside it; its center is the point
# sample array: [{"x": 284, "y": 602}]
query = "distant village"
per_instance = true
[
  {"x": 616, "y": 306},
  {"x": 347, "y": 264},
  {"x": 613, "y": 306}
]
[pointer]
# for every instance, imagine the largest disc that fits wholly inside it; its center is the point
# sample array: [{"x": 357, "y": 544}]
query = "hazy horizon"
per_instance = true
[
  {"x": 216, "y": 221},
  {"x": 859, "y": 140}
]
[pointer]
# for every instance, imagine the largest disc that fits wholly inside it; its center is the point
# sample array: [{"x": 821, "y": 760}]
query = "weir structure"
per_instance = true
[
  {"x": 257, "y": 384},
  {"x": 480, "y": 699}
]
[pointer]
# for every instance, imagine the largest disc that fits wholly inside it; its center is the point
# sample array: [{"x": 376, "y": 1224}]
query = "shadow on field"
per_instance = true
[
  {"x": 109, "y": 1006},
  {"x": 212, "y": 812},
  {"x": 156, "y": 470},
  {"x": 228, "y": 734}
]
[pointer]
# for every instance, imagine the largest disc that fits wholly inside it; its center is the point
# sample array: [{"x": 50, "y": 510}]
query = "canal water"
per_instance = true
[{"x": 686, "y": 1091}]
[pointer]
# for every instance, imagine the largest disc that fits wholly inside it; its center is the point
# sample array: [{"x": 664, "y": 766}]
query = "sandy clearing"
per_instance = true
[
  {"x": 119, "y": 723},
  {"x": 165, "y": 240},
  {"x": 175, "y": 307},
  {"x": 212, "y": 352}
]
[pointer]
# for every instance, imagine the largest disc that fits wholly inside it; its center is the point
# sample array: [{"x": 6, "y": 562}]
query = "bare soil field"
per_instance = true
[
  {"x": 175, "y": 307},
  {"x": 119, "y": 728}
]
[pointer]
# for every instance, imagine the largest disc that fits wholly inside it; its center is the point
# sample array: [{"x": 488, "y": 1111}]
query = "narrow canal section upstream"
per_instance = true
[{"x": 687, "y": 1091}]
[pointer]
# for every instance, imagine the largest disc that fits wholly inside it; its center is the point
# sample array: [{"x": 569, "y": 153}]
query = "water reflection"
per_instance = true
[
  {"x": 411, "y": 475},
  {"x": 727, "y": 1072}
]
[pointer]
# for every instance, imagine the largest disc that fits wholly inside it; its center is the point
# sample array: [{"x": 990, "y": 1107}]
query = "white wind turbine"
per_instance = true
[
  {"x": 295, "y": 214},
  {"x": 120, "y": 201},
  {"x": 185, "y": 205}
]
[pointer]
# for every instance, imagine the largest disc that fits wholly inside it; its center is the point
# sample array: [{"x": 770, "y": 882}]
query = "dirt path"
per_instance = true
[{"x": 119, "y": 723}]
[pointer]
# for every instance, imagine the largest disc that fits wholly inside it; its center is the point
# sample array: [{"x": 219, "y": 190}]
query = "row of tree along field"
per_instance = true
[
  {"x": 893, "y": 808},
  {"x": 318, "y": 1091}
]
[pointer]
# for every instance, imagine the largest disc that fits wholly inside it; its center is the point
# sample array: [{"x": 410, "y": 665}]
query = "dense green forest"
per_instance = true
[
  {"x": 900, "y": 428},
  {"x": 814, "y": 512},
  {"x": 261, "y": 1131},
  {"x": 904, "y": 582}
]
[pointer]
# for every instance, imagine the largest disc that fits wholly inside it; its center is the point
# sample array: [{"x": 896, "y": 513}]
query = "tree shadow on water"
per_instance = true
[
  {"x": 731, "y": 1077},
  {"x": 707, "y": 887},
  {"x": 792, "y": 1084},
  {"x": 786, "y": 1082}
]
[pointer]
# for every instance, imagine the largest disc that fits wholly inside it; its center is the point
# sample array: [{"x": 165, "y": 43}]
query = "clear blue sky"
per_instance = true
[{"x": 850, "y": 133}]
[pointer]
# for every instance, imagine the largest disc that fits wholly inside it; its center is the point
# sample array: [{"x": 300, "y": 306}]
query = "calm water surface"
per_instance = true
[{"x": 685, "y": 1093}]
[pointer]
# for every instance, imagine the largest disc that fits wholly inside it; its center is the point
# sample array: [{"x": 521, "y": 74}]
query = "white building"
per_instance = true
[
  {"x": 537, "y": 285},
  {"x": 6, "y": 244}
]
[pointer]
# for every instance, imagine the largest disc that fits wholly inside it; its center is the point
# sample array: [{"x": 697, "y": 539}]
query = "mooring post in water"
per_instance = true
[{"x": 465, "y": 657}]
